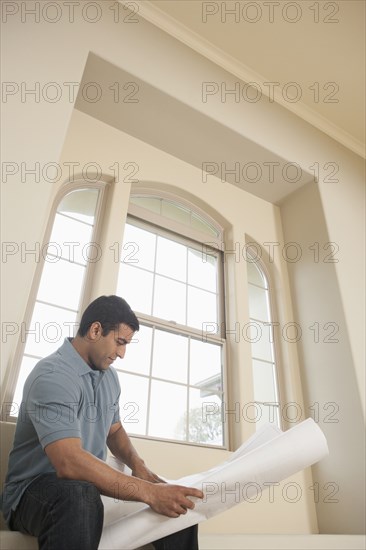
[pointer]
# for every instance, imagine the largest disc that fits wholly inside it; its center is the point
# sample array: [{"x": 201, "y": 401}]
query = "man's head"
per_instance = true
[
  {"x": 109, "y": 311},
  {"x": 106, "y": 327}
]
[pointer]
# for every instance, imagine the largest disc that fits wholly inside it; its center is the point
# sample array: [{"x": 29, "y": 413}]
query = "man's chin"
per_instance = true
[{"x": 104, "y": 366}]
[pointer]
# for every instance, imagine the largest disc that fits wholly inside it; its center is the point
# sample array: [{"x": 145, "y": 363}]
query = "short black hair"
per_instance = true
[{"x": 110, "y": 311}]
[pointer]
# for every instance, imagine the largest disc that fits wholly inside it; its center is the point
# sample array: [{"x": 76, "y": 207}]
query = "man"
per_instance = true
[{"x": 68, "y": 416}]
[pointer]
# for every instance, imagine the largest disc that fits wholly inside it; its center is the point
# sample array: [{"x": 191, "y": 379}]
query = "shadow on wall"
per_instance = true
[{"x": 331, "y": 393}]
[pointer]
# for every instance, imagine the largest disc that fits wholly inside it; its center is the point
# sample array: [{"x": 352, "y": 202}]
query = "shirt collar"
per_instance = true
[{"x": 70, "y": 354}]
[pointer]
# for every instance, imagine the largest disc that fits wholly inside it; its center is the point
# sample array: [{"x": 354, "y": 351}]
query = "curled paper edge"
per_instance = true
[{"x": 266, "y": 458}]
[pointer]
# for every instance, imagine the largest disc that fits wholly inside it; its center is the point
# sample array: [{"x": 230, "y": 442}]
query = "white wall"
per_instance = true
[
  {"x": 88, "y": 138},
  {"x": 45, "y": 52},
  {"x": 283, "y": 542},
  {"x": 328, "y": 377}
]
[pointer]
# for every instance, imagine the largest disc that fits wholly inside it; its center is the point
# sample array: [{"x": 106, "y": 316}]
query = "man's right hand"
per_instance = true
[
  {"x": 171, "y": 500},
  {"x": 71, "y": 461}
]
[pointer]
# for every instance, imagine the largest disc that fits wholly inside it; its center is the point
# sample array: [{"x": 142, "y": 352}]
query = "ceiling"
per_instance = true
[
  {"x": 210, "y": 139},
  {"x": 317, "y": 61}
]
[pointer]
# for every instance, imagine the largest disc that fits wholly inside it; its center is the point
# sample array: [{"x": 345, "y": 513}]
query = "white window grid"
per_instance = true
[
  {"x": 190, "y": 332},
  {"x": 271, "y": 409},
  {"x": 150, "y": 377}
]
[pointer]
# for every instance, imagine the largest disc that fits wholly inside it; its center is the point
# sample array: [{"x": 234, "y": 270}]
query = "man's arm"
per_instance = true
[
  {"x": 121, "y": 447},
  {"x": 71, "y": 461}
]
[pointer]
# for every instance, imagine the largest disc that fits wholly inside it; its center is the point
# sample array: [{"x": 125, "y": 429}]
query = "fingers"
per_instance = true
[
  {"x": 178, "y": 511},
  {"x": 192, "y": 492},
  {"x": 152, "y": 478},
  {"x": 147, "y": 475},
  {"x": 185, "y": 502},
  {"x": 158, "y": 479},
  {"x": 172, "y": 500},
  {"x": 172, "y": 514}
]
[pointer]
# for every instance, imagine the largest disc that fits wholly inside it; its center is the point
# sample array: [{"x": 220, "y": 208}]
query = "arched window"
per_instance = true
[
  {"x": 172, "y": 275},
  {"x": 58, "y": 295},
  {"x": 171, "y": 271},
  {"x": 265, "y": 388}
]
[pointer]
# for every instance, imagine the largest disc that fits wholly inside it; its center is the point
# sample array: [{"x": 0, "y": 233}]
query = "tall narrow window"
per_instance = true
[
  {"x": 172, "y": 379},
  {"x": 66, "y": 257},
  {"x": 263, "y": 353}
]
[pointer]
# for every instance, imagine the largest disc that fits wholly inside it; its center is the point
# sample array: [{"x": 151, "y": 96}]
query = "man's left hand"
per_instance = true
[{"x": 143, "y": 472}]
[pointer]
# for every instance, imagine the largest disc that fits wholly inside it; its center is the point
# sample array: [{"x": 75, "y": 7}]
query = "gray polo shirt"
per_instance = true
[{"x": 62, "y": 397}]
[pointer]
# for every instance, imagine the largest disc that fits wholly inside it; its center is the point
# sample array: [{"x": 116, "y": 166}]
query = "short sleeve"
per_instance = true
[
  {"x": 52, "y": 405},
  {"x": 116, "y": 415}
]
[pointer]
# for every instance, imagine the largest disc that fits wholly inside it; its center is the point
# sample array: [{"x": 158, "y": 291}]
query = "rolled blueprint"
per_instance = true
[{"x": 268, "y": 457}]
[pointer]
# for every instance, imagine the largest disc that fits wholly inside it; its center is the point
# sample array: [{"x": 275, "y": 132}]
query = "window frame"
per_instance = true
[
  {"x": 261, "y": 266},
  {"x": 174, "y": 226},
  {"x": 166, "y": 227},
  {"x": 186, "y": 235}
]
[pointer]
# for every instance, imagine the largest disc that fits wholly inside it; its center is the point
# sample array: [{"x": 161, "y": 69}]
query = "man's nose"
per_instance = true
[{"x": 121, "y": 352}]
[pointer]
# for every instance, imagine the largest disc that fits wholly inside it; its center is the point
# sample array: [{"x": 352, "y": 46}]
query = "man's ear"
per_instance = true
[{"x": 95, "y": 331}]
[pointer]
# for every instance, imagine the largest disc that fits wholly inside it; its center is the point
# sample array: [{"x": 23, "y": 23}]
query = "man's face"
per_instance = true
[{"x": 104, "y": 350}]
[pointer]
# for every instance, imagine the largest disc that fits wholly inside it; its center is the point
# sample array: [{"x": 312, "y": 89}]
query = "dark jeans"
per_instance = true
[{"x": 66, "y": 514}]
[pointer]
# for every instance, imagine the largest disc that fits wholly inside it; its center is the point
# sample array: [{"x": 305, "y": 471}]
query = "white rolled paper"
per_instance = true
[{"x": 268, "y": 457}]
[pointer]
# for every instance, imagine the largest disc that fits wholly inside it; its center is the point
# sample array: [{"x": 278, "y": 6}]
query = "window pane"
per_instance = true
[
  {"x": 180, "y": 281},
  {"x": 202, "y": 269},
  {"x": 170, "y": 359},
  {"x": 201, "y": 225},
  {"x": 258, "y": 307},
  {"x": 255, "y": 275},
  {"x": 138, "y": 247},
  {"x": 175, "y": 212},
  {"x": 205, "y": 419},
  {"x": 135, "y": 286},
  {"x": 133, "y": 402},
  {"x": 205, "y": 365},
  {"x": 80, "y": 204},
  {"x": 263, "y": 381},
  {"x": 49, "y": 326},
  {"x": 61, "y": 283},
  {"x": 202, "y": 307},
  {"x": 149, "y": 203},
  {"x": 259, "y": 333},
  {"x": 170, "y": 300},
  {"x": 171, "y": 259},
  {"x": 138, "y": 353},
  {"x": 62, "y": 278},
  {"x": 261, "y": 339},
  {"x": 167, "y": 410},
  {"x": 70, "y": 239},
  {"x": 27, "y": 365}
]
